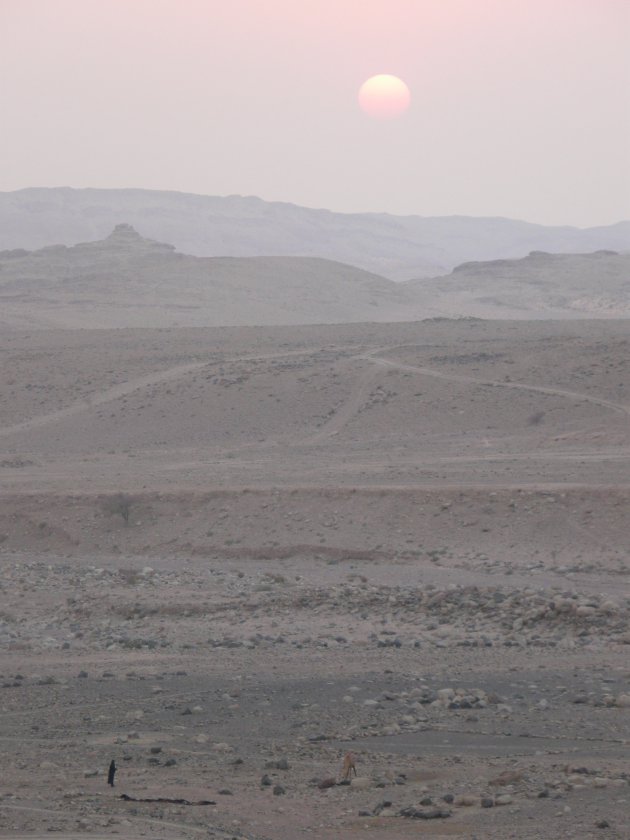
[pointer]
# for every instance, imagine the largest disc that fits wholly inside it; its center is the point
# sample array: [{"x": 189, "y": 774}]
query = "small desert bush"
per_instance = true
[
  {"x": 118, "y": 505},
  {"x": 130, "y": 576},
  {"x": 536, "y": 418}
]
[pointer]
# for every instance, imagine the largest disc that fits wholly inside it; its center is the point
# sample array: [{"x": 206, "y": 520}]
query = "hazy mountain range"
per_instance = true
[
  {"x": 540, "y": 285},
  {"x": 396, "y": 247},
  {"x": 127, "y": 280}
]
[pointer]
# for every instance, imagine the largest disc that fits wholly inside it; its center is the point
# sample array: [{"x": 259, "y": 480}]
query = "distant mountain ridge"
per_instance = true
[
  {"x": 127, "y": 280},
  {"x": 548, "y": 285},
  {"x": 396, "y": 247}
]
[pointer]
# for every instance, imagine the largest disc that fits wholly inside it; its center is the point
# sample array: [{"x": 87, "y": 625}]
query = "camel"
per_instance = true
[{"x": 348, "y": 766}]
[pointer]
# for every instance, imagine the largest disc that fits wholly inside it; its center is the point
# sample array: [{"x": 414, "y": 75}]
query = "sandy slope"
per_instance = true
[{"x": 432, "y": 402}]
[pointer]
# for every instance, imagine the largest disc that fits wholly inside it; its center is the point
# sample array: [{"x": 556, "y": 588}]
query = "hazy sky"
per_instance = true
[{"x": 519, "y": 108}]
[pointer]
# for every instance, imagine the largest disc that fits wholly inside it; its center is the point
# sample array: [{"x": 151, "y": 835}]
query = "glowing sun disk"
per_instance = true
[{"x": 384, "y": 97}]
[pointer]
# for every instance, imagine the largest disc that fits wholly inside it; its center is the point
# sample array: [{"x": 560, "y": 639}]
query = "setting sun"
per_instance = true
[{"x": 384, "y": 97}]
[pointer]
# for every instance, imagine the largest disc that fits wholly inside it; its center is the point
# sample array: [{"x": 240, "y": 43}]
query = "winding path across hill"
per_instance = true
[
  {"x": 336, "y": 423},
  {"x": 360, "y": 389},
  {"x": 116, "y": 392},
  {"x": 493, "y": 383}
]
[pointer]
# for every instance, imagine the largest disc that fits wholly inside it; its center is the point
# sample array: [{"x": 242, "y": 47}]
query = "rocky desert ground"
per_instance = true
[{"x": 232, "y": 555}]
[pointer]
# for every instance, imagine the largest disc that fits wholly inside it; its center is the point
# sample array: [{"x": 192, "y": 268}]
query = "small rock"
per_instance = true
[
  {"x": 508, "y": 777},
  {"x": 466, "y": 800},
  {"x": 425, "y": 814},
  {"x": 361, "y": 783},
  {"x": 223, "y": 747}
]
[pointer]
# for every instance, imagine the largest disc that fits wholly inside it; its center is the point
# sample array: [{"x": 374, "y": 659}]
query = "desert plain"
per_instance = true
[{"x": 231, "y": 555}]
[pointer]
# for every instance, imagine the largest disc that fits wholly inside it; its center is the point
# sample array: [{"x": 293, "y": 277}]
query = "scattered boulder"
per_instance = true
[
  {"x": 466, "y": 800},
  {"x": 508, "y": 777},
  {"x": 425, "y": 813}
]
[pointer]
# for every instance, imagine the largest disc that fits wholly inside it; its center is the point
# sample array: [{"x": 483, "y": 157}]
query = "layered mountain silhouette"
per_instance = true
[
  {"x": 126, "y": 280},
  {"x": 540, "y": 285},
  {"x": 396, "y": 247}
]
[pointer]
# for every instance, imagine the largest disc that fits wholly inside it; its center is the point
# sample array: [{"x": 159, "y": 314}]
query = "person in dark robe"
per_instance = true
[{"x": 111, "y": 773}]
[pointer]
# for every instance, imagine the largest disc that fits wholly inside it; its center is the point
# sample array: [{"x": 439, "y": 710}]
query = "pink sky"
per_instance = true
[{"x": 519, "y": 107}]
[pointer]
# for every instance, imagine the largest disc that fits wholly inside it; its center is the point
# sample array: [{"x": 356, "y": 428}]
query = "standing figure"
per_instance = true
[{"x": 111, "y": 773}]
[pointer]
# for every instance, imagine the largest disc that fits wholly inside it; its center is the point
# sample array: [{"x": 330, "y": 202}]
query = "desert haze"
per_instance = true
[
  {"x": 315, "y": 420},
  {"x": 260, "y": 513},
  {"x": 396, "y": 247},
  {"x": 127, "y": 280}
]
